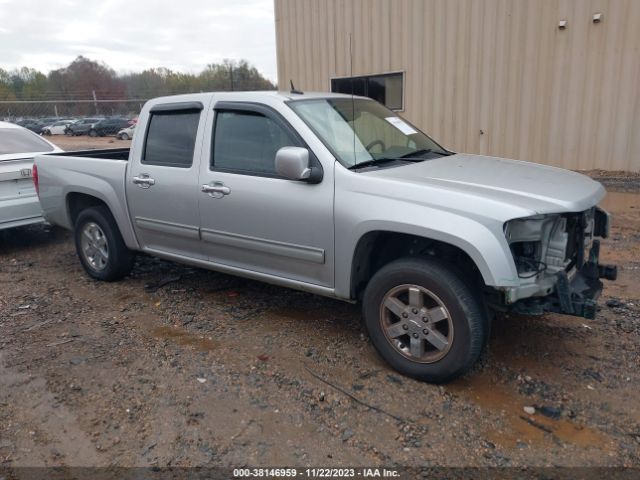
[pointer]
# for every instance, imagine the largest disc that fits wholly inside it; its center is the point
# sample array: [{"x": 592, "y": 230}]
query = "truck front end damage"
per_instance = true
[{"x": 557, "y": 259}]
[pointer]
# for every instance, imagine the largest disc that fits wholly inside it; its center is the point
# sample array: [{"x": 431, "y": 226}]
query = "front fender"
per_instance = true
[{"x": 485, "y": 244}]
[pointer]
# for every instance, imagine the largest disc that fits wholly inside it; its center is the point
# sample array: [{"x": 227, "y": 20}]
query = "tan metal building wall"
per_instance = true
[{"x": 568, "y": 97}]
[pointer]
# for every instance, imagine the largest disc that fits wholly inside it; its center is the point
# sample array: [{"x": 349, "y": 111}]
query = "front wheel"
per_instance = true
[
  {"x": 93, "y": 133},
  {"x": 424, "y": 320},
  {"x": 100, "y": 246}
]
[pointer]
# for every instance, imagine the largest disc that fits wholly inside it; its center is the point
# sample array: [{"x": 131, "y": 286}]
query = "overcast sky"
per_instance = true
[{"x": 131, "y": 35}]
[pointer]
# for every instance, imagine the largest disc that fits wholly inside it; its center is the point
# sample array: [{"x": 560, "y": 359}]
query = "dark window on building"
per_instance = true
[
  {"x": 247, "y": 142},
  {"x": 386, "y": 89},
  {"x": 171, "y": 139}
]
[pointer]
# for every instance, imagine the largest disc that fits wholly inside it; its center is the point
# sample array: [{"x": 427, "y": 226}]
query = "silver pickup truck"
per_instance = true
[{"x": 339, "y": 196}]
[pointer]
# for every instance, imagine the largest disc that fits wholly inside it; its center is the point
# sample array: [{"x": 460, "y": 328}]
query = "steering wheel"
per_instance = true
[{"x": 374, "y": 143}]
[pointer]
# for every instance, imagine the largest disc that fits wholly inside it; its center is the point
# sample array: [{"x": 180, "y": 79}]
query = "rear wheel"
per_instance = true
[
  {"x": 424, "y": 320},
  {"x": 100, "y": 246}
]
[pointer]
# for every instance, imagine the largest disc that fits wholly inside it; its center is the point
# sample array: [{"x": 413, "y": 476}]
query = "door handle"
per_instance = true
[
  {"x": 144, "y": 181},
  {"x": 216, "y": 189}
]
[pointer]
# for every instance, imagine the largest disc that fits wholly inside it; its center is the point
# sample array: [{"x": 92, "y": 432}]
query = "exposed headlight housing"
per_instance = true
[
  {"x": 555, "y": 242},
  {"x": 538, "y": 244}
]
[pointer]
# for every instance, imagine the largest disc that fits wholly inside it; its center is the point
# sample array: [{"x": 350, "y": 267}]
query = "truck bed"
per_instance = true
[
  {"x": 97, "y": 173},
  {"x": 105, "y": 153}
]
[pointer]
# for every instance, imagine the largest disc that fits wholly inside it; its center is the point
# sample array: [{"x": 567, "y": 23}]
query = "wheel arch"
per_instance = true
[
  {"x": 77, "y": 201},
  {"x": 377, "y": 247}
]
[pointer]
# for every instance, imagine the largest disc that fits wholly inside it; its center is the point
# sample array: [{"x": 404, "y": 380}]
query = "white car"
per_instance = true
[
  {"x": 19, "y": 203},
  {"x": 126, "y": 133},
  {"x": 58, "y": 128}
]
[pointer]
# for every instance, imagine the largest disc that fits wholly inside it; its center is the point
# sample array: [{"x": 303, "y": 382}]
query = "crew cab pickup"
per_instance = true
[{"x": 338, "y": 196}]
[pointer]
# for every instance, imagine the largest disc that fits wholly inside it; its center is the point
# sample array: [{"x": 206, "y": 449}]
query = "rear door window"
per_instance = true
[{"x": 171, "y": 138}]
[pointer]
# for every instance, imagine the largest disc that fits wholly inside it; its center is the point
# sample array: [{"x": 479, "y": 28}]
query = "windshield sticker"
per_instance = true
[{"x": 401, "y": 125}]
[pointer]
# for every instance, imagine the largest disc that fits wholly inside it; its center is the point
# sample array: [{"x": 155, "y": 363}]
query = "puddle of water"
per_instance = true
[
  {"x": 184, "y": 338},
  {"x": 618, "y": 202},
  {"x": 509, "y": 405}
]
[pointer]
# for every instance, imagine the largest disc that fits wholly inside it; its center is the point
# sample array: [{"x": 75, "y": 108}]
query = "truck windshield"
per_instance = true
[
  {"x": 17, "y": 140},
  {"x": 362, "y": 132}
]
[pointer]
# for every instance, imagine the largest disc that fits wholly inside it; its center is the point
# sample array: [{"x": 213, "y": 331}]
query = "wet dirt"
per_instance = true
[
  {"x": 217, "y": 370},
  {"x": 621, "y": 202},
  {"x": 522, "y": 428}
]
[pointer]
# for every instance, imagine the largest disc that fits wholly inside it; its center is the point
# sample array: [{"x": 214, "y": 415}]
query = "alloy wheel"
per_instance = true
[
  {"x": 416, "y": 323},
  {"x": 94, "y": 246}
]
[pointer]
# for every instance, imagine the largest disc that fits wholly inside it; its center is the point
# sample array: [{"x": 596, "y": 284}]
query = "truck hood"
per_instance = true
[{"x": 527, "y": 186}]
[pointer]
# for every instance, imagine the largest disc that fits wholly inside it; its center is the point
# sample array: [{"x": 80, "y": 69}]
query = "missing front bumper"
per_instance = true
[{"x": 576, "y": 296}]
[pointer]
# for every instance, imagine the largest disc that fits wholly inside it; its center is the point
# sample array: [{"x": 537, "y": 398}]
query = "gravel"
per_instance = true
[{"x": 209, "y": 369}]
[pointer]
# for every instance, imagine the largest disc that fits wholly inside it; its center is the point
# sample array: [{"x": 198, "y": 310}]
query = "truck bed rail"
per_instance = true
[{"x": 105, "y": 153}]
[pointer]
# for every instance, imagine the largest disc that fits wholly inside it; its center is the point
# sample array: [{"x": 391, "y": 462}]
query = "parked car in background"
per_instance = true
[
  {"x": 57, "y": 128},
  {"x": 81, "y": 127},
  {"x": 108, "y": 126},
  {"x": 126, "y": 133},
  {"x": 35, "y": 126},
  {"x": 50, "y": 120},
  {"x": 18, "y": 199}
]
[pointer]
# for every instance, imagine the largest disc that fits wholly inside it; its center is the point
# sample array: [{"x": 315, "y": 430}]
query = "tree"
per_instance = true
[
  {"x": 6, "y": 87},
  {"x": 232, "y": 75},
  {"x": 83, "y": 77}
]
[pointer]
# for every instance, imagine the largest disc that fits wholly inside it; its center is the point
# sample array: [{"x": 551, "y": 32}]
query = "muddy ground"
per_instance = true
[{"x": 210, "y": 369}]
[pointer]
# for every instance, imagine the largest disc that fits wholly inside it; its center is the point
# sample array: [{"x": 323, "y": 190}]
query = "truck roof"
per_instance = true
[
  {"x": 256, "y": 96},
  {"x": 9, "y": 125}
]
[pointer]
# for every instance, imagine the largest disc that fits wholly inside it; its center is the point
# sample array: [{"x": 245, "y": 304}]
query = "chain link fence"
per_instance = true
[{"x": 12, "y": 111}]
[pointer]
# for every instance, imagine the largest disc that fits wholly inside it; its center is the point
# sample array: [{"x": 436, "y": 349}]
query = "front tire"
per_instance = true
[
  {"x": 424, "y": 320},
  {"x": 93, "y": 133},
  {"x": 100, "y": 246}
]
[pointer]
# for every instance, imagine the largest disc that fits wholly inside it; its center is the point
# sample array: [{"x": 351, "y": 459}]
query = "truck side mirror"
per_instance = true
[{"x": 293, "y": 163}]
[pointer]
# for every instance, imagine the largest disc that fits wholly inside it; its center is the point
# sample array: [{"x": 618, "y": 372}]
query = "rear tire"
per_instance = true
[
  {"x": 424, "y": 320},
  {"x": 100, "y": 246}
]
